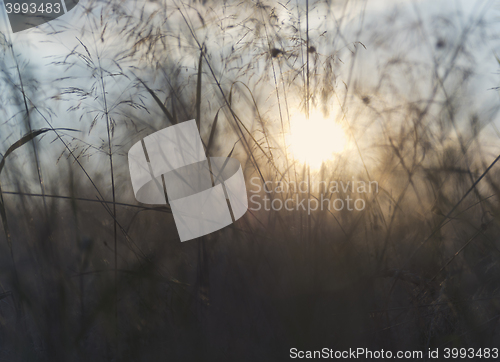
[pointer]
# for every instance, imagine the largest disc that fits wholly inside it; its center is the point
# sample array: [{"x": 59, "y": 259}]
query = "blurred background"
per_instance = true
[{"x": 399, "y": 95}]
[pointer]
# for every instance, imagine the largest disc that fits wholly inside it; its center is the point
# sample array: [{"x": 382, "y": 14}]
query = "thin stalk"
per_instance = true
[
  {"x": 110, "y": 150},
  {"x": 307, "y": 59},
  {"x": 307, "y": 117}
]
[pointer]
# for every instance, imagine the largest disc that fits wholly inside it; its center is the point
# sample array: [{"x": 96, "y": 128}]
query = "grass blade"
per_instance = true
[
  {"x": 212, "y": 133},
  {"x": 198, "y": 93},
  {"x": 25, "y": 139},
  {"x": 159, "y": 102}
]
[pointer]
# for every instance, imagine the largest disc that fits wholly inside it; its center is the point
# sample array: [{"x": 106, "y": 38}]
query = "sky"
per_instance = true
[{"x": 390, "y": 30}]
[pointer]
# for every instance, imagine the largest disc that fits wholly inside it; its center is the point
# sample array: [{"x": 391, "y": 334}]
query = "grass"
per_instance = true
[{"x": 90, "y": 274}]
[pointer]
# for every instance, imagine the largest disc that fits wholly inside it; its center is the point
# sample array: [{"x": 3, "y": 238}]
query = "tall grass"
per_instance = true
[{"x": 90, "y": 274}]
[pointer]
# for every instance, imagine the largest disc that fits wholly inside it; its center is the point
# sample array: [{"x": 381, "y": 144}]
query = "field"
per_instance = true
[{"x": 367, "y": 135}]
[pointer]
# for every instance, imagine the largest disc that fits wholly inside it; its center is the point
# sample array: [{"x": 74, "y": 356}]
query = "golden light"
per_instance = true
[{"x": 316, "y": 139}]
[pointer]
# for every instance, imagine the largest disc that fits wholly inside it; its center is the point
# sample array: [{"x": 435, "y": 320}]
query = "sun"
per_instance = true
[{"x": 316, "y": 139}]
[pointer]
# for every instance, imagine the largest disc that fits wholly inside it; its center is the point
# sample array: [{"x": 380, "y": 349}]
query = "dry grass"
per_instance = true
[{"x": 89, "y": 274}]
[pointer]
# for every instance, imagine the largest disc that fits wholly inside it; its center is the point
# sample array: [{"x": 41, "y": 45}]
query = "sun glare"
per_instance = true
[{"x": 316, "y": 139}]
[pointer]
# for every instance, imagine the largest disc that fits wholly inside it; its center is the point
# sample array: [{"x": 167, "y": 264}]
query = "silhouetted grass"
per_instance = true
[{"x": 88, "y": 273}]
